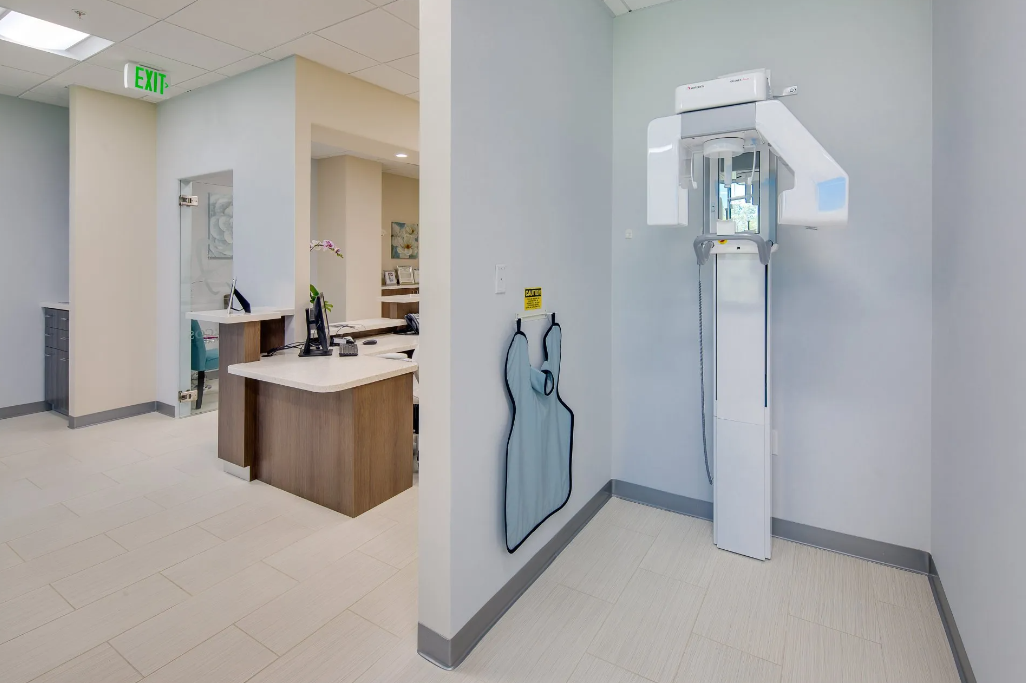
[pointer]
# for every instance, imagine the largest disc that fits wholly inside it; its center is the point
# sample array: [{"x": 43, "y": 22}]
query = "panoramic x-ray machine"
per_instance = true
[{"x": 750, "y": 165}]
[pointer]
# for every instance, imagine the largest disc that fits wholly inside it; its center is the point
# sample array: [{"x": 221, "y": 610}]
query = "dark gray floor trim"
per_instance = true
[
  {"x": 965, "y": 670},
  {"x": 448, "y": 654},
  {"x": 875, "y": 551},
  {"x": 24, "y": 409},
  {"x": 663, "y": 500},
  {"x": 164, "y": 409},
  {"x": 856, "y": 546},
  {"x": 111, "y": 415}
]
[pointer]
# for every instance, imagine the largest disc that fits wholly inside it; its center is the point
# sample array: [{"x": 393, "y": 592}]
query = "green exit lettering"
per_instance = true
[{"x": 139, "y": 77}]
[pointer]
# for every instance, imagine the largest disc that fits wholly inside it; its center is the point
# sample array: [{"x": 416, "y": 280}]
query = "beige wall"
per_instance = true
[
  {"x": 113, "y": 232},
  {"x": 400, "y": 202},
  {"x": 333, "y": 100},
  {"x": 349, "y": 209}
]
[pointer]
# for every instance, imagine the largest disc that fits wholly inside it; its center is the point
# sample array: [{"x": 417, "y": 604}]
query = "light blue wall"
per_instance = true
[
  {"x": 531, "y": 171},
  {"x": 851, "y": 308},
  {"x": 34, "y": 175},
  {"x": 979, "y": 331},
  {"x": 247, "y": 125}
]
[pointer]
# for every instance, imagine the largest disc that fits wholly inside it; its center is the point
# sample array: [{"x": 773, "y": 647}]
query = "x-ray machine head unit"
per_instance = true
[{"x": 741, "y": 160}]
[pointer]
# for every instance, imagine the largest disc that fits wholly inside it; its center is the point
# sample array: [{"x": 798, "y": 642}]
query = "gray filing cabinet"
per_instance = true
[{"x": 55, "y": 357}]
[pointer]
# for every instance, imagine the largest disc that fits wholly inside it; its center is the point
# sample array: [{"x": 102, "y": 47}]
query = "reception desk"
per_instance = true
[
  {"x": 242, "y": 338},
  {"x": 336, "y": 431}
]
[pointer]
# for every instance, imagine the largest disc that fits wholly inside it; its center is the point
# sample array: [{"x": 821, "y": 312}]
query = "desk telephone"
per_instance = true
[{"x": 348, "y": 347}]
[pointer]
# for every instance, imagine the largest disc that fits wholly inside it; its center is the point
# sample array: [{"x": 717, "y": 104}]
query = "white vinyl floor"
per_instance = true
[{"x": 126, "y": 554}]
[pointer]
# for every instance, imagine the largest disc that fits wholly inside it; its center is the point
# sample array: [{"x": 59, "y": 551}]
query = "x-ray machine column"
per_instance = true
[{"x": 751, "y": 165}]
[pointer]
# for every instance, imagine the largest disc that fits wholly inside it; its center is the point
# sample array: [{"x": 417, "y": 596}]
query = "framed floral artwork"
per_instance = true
[
  {"x": 405, "y": 240},
  {"x": 221, "y": 228}
]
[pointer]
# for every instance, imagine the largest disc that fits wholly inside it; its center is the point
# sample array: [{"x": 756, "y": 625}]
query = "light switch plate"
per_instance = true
[{"x": 500, "y": 278}]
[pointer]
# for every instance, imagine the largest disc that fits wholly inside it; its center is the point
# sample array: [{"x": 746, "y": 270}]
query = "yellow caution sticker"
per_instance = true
[{"x": 532, "y": 298}]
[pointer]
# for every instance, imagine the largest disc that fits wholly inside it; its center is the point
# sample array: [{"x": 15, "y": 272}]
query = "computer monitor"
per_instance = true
[
  {"x": 237, "y": 295},
  {"x": 318, "y": 334}
]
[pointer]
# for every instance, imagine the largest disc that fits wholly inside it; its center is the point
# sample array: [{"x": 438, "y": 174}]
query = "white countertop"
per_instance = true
[
  {"x": 367, "y": 325},
  {"x": 65, "y": 306},
  {"x": 223, "y": 317},
  {"x": 325, "y": 374},
  {"x": 388, "y": 343},
  {"x": 388, "y": 287},
  {"x": 401, "y": 299}
]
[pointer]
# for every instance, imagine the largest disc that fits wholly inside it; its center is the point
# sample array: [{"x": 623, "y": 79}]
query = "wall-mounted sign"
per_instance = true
[
  {"x": 532, "y": 298},
  {"x": 149, "y": 80}
]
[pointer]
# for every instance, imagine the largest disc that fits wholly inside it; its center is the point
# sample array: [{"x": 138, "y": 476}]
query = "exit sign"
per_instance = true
[{"x": 146, "y": 79}]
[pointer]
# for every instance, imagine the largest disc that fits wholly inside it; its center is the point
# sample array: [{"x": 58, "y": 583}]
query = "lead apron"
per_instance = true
[{"x": 540, "y": 444}]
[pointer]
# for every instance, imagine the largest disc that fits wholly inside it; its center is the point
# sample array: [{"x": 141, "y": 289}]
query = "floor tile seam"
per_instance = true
[
  {"x": 89, "y": 538},
  {"x": 51, "y": 620},
  {"x": 737, "y": 649},
  {"x": 836, "y": 630},
  {"x": 603, "y": 659},
  {"x": 274, "y": 655}
]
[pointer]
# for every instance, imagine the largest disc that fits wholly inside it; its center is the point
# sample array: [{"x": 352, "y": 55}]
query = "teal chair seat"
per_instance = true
[{"x": 203, "y": 360}]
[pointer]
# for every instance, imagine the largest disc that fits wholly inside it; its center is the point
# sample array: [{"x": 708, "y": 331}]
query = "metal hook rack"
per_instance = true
[{"x": 528, "y": 315}]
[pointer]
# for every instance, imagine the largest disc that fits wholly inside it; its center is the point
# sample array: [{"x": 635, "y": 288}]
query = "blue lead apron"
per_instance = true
[{"x": 541, "y": 439}]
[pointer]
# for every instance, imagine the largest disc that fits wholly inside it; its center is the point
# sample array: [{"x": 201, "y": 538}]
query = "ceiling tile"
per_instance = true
[
  {"x": 15, "y": 81},
  {"x": 642, "y": 4},
  {"x": 185, "y": 46},
  {"x": 102, "y": 18},
  {"x": 407, "y": 10},
  {"x": 116, "y": 56},
  {"x": 259, "y": 25},
  {"x": 377, "y": 34},
  {"x": 323, "y": 51},
  {"x": 617, "y": 6},
  {"x": 243, "y": 65},
  {"x": 408, "y": 65},
  {"x": 97, "y": 78},
  {"x": 390, "y": 79},
  {"x": 415, "y": 96},
  {"x": 36, "y": 61},
  {"x": 200, "y": 81},
  {"x": 161, "y": 9},
  {"x": 49, "y": 93}
]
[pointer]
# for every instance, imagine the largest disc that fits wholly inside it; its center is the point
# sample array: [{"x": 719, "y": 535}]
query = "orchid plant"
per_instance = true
[{"x": 323, "y": 245}]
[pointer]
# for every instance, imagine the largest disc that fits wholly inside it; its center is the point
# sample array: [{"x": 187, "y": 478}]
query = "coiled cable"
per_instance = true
[{"x": 701, "y": 375}]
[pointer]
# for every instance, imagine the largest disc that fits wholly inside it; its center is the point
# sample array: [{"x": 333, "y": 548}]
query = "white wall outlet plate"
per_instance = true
[
  {"x": 629, "y": 234},
  {"x": 500, "y": 278}
]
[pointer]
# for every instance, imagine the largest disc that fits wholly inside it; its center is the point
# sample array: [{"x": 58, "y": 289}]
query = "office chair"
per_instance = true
[{"x": 203, "y": 359}]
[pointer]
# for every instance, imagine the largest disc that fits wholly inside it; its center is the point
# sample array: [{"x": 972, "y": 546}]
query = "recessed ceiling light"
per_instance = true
[
  {"x": 38, "y": 34},
  {"x": 402, "y": 155}
]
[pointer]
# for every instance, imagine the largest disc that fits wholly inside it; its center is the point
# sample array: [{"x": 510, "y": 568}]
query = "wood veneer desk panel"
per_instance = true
[
  {"x": 336, "y": 431},
  {"x": 348, "y": 450},
  {"x": 242, "y": 338}
]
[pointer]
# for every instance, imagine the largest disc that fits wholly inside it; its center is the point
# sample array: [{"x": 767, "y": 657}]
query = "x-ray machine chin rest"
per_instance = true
[{"x": 747, "y": 164}]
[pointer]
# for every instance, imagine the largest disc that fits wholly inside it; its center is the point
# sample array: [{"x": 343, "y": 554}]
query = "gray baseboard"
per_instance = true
[
  {"x": 164, "y": 409},
  {"x": 449, "y": 653},
  {"x": 856, "y": 546},
  {"x": 692, "y": 507},
  {"x": 77, "y": 422},
  {"x": 24, "y": 409},
  {"x": 867, "y": 549},
  {"x": 965, "y": 670}
]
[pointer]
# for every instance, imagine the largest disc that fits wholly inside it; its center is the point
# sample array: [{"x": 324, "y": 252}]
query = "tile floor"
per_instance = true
[{"x": 127, "y": 555}]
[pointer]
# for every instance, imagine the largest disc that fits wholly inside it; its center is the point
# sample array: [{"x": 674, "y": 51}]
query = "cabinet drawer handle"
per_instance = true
[{"x": 64, "y": 360}]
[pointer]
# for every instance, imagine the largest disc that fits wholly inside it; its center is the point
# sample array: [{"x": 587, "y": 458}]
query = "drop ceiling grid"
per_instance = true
[{"x": 198, "y": 42}]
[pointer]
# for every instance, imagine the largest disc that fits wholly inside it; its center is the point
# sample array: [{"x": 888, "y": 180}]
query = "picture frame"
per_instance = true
[
  {"x": 405, "y": 275},
  {"x": 390, "y": 280},
  {"x": 416, "y": 276}
]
